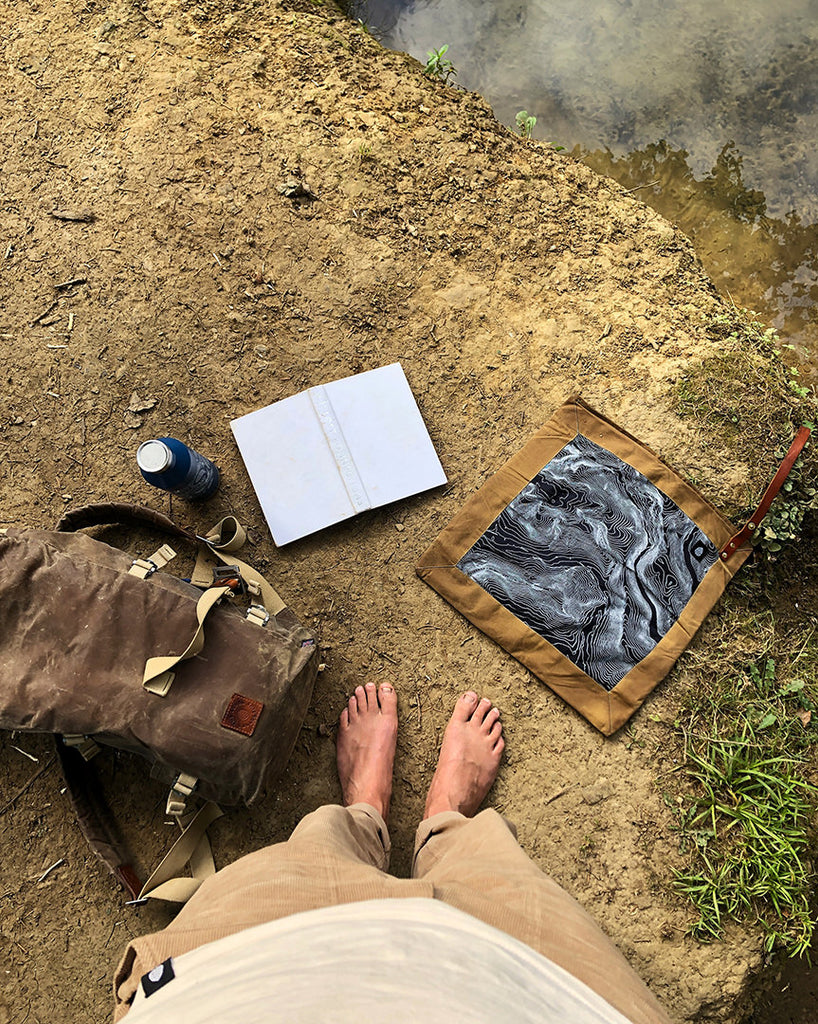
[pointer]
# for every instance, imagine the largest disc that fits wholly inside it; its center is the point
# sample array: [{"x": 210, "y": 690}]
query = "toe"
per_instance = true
[
  {"x": 482, "y": 710},
  {"x": 496, "y": 730},
  {"x": 345, "y": 719},
  {"x": 388, "y": 699},
  {"x": 464, "y": 708},
  {"x": 499, "y": 747},
  {"x": 353, "y": 705},
  {"x": 371, "y": 698},
  {"x": 491, "y": 719}
]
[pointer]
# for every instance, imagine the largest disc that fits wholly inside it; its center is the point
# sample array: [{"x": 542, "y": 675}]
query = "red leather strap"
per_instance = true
[
  {"x": 752, "y": 524},
  {"x": 126, "y": 875}
]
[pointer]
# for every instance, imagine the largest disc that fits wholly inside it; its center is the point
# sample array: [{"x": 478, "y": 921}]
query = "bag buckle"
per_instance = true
[
  {"x": 83, "y": 744},
  {"x": 182, "y": 788},
  {"x": 229, "y": 576},
  {"x": 144, "y": 568},
  {"x": 258, "y": 614}
]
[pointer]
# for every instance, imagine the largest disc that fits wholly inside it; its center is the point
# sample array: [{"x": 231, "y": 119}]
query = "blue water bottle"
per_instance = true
[{"x": 169, "y": 464}]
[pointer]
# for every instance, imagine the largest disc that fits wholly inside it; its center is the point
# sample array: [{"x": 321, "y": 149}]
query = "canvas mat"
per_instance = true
[{"x": 600, "y": 527}]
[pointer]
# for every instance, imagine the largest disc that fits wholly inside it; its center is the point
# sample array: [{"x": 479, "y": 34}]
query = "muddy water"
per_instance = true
[{"x": 708, "y": 107}]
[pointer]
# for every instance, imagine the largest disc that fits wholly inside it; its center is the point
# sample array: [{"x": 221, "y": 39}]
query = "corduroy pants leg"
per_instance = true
[{"x": 340, "y": 855}]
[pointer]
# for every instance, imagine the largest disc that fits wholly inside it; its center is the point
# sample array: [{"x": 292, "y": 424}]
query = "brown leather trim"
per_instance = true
[
  {"x": 742, "y": 537},
  {"x": 126, "y": 875},
  {"x": 120, "y": 513}
]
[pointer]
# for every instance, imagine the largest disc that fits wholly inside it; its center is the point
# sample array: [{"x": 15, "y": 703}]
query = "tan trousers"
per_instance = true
[{"x": 340, "y": 855}]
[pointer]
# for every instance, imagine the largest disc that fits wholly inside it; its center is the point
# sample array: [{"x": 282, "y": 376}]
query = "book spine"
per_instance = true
[{"x": 334, "y": 435}]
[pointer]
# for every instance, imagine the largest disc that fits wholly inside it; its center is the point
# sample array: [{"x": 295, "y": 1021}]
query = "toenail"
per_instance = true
[{"x": 387, "y": 689}]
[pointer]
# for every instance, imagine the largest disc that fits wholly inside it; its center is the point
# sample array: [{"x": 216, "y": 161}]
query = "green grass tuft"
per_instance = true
[{"x": 747, "y": 813}]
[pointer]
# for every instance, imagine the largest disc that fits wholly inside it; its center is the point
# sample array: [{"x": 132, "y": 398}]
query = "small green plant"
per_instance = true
[
  {"x": 439, "y": 66},
  {"x": 364, "y": 152},
  {"x": 799, "y": 390},
  {"x": 783, "y": 523},
  {"x": 525, "y": 123},
  {"x": 587, "y": 848}
]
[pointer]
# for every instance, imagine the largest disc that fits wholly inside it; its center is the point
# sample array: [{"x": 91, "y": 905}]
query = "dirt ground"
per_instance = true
[
  {"x": 793, "y": 995},
  {"x": 502, "y": 275}
]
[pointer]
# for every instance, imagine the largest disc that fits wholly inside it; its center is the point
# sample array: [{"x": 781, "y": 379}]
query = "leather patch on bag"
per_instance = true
[{"x": 242, "y": 714}]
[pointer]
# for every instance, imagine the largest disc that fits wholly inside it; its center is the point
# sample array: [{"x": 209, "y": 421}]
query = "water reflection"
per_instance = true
[
  {"x": 769, "y": 264},
  {"x": 613, "y": 77}
]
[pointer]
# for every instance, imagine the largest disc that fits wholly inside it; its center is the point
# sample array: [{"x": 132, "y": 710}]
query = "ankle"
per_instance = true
[
  {"x": 440, "y": 800},
  {"x": 440, "y": 807}
]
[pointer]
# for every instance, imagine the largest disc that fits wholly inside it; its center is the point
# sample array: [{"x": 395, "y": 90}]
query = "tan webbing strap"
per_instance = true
[
  {"x": 202, "y": 864},
  {"x": 192, "y": 847},
  {"x": 226, "y": 537},
  {"x": 86, "y": 746},
  {"x": 159, "y": 671},
  {"x": 144, "y": 567},
  {"x": 181, "y": 789}
]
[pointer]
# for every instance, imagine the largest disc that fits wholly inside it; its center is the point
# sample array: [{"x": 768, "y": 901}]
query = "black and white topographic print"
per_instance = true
[{"x": 594, "y": 558}]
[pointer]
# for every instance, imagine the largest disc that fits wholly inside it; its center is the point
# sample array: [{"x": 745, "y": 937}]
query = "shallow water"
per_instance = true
[{"x": 709, "y": 107}]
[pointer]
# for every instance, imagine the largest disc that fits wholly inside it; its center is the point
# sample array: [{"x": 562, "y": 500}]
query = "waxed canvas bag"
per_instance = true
[
  {"x": 104, "y": 648},
  {"x": 591, "y": 561}
]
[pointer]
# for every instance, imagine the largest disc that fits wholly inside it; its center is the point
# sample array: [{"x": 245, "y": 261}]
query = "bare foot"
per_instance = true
[
  {"x": 367, "y": 736},
  {"x": 469, "y": 757}
]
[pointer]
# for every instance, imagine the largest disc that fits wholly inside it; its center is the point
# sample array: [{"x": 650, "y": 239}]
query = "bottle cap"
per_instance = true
[{"x": 154, "y": 457}]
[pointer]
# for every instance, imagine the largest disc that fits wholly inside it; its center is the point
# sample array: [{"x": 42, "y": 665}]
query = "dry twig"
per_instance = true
[
  {"x": 44, "y": 314},
  {"x": 31, "y": 781},
  {"x": 78, "y": 216}
]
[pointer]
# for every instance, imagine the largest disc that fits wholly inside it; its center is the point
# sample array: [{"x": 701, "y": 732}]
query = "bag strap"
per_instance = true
[
  {"x": 158, "y": 674},
  {"x": 93, "y": 816},
  {"x": 192, "y": 847},
  {"x": 226, "y": 537},
  {"x": 753, "y": 523},
  {"x": 99, "y": 827},
  {"x": 121, "y": 513}
]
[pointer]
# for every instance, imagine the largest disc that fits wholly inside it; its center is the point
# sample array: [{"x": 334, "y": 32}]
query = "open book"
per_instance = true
[{"x": 337, "y": 449}]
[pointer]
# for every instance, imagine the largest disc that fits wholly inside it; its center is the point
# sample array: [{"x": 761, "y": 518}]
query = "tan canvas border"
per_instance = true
[{"x": 606, "y": 710}]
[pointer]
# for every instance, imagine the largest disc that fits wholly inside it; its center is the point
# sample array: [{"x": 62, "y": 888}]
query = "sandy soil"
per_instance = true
[{"x": 502, "y": 276}]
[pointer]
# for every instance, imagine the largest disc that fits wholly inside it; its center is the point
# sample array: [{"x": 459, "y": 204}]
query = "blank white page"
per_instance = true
[
  {"x": 385, "y": 434},
  {"x": 292, "y": 468}
]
